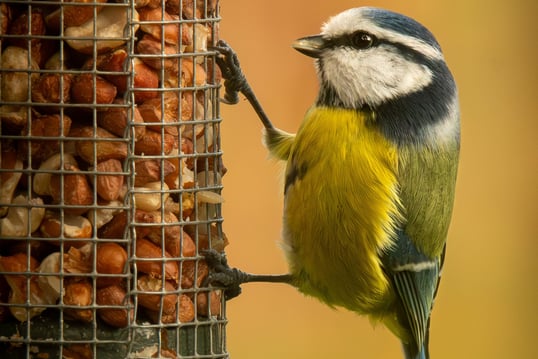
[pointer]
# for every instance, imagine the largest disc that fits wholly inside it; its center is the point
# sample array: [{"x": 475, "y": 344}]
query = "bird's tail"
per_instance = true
[{"x": 410, "y": 352}]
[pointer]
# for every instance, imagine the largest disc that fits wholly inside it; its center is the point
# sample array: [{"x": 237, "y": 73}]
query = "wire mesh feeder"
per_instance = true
[{"x": 110, "y": 178}]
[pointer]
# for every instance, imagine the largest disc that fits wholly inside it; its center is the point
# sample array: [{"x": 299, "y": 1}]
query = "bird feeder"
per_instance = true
[{"x": 110, "y": 179}]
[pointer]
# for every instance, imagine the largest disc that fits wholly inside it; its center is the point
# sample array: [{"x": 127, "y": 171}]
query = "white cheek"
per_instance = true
[{"x": 372, "y": 76}]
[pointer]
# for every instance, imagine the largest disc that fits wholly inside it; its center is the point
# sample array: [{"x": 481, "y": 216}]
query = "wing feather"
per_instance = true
[{"x": 415, "y": 278}]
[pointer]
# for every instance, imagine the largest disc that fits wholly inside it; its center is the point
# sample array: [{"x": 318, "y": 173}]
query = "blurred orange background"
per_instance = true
[{"x": 487, "y": 304}]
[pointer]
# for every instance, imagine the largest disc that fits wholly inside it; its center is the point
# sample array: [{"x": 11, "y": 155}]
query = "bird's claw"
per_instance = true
[
  {"x": 234, "y": 79},
  {"x": 222, "y": 275}
]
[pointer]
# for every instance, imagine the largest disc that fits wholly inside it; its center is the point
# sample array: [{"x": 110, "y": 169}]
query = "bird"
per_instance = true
[{"x": 370, "y": 173}]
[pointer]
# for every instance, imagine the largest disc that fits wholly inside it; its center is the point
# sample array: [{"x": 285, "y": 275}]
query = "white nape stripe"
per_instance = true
[
  {"x": 408, "y": 41},
  {"x": 415, "y": 267},
  {"x": 446, "y": 130},
  {"x": 352, "y": 20}
]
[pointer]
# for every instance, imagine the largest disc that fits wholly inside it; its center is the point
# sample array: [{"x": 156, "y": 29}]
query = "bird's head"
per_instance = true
[{"x": 369, "y": 58}]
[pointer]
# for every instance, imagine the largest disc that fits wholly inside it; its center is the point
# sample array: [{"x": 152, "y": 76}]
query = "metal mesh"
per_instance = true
[{"x": 110, "y": 179}]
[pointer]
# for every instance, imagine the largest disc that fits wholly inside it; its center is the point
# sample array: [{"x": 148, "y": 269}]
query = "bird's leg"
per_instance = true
[
  {"x": 235, "y": 81},
  {"x": 222, "y": 275}
]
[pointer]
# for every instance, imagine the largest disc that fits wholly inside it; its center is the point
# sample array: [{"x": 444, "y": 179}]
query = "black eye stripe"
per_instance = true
[
  {"x": 360, "y": 40},
  {"x": 347, "y": 41}
]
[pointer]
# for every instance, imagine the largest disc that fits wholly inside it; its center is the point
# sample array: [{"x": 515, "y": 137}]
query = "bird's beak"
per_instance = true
[{"x": 310, "y": 45}]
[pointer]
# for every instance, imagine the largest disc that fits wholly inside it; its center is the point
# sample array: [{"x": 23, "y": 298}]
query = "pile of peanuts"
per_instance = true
[{"x": 110, "y": 163}]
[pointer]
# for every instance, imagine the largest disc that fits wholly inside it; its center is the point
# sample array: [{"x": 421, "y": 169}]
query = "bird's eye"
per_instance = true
[{"x": 362, "y": 40}]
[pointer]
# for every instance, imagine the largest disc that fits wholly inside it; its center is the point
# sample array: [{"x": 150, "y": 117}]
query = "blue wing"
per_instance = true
[{"x": 415, "y": 278}]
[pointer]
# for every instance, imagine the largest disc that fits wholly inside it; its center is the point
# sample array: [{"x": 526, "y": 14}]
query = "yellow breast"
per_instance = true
[{"x": 341, "y": 207}]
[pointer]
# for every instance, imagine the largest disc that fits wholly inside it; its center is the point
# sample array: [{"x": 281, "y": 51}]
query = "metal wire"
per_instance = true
[{"x": 110, "y": 179}]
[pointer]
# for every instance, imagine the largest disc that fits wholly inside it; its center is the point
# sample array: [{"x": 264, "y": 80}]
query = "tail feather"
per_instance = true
[{"x": 410, "y": 352}]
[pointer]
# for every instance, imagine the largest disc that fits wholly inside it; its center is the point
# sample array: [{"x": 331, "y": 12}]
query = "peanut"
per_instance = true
[
  {"x": 109, "y": 186},
  {"x": 147, "y": 250},
  {"x": 111, "y": 297},
  {"x": 98, "y": 144}
]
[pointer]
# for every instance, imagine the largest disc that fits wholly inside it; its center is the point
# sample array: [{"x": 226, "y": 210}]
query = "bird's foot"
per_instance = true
[
  {"x": 222, "y": 275},
  {"x": 234, "y": 79}
]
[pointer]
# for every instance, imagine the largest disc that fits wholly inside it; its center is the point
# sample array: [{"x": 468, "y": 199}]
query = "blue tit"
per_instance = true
[{"x": 371, "y": 172}]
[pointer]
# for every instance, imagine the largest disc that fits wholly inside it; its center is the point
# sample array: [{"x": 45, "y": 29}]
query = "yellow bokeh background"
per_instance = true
[{"x": 487, "y": 304}]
